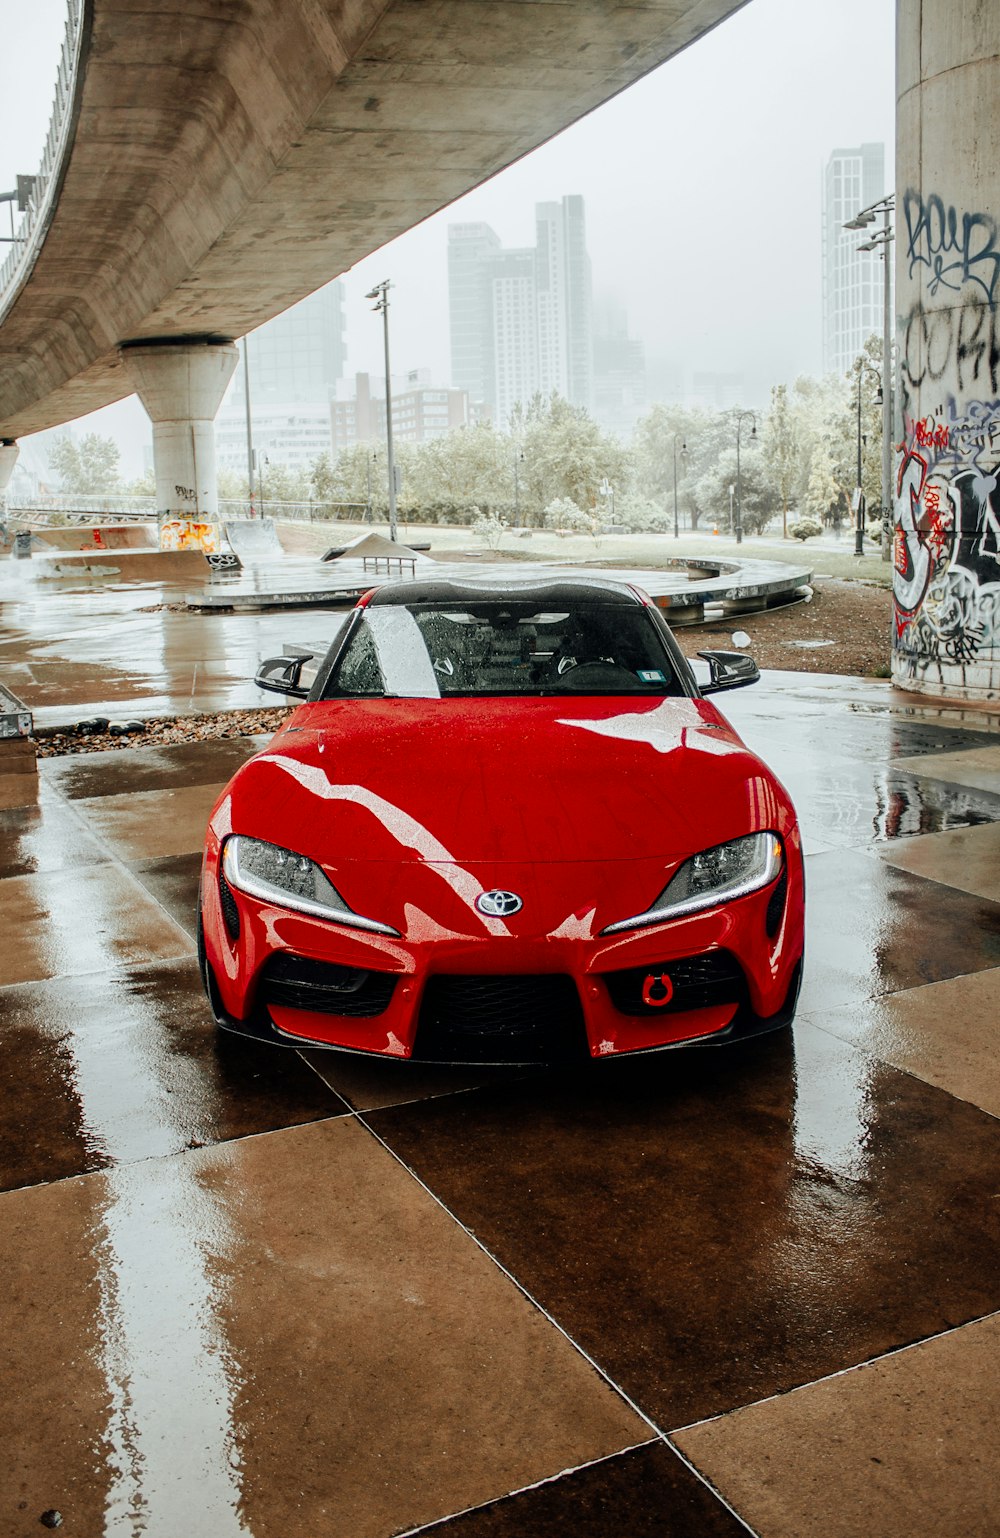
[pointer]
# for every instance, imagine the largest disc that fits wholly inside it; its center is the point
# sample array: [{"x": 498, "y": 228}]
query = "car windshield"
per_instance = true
[{"x": 433, "y": 650}]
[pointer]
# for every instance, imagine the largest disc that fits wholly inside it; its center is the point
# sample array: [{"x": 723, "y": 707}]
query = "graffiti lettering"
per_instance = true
[
  {"x": 186, "y": 493},
  {"x": 962, "y": 344},
  {"x": 182, "y": 534},
  {"x": 928, "y": 436},
  {"x": 955, "y": 248}
]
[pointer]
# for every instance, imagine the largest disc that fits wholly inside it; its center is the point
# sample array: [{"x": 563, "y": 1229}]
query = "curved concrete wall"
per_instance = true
[
  {"x": 230, "y": 158},
  {"x": 947, "y": 541}
]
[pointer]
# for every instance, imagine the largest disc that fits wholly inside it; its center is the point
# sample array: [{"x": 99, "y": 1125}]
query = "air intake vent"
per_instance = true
[
  {"x": 296, "y": 982},
  {"x": 697, "y": 981},
  {"x": 501, "y": 1019},
  {"x": 230, "y": 912}
]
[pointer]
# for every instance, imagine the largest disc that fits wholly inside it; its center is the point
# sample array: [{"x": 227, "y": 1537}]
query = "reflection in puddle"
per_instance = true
[
  {"x": 833, "y": 1111},
  {"x": 172, "y": 1458},
  {"x": 907, "y": 805},
  {"x": 173, "y": 1455}
]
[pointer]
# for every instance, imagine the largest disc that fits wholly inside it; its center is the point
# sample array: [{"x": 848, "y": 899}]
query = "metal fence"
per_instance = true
[{"x": 29, "y": 508}]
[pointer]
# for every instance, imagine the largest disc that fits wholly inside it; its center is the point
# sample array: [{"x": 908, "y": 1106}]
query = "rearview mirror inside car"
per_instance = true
[{"x": 729, "y": 670}]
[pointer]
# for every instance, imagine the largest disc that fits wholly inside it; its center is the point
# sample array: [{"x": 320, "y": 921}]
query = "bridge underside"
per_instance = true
[{"x": 230, "y": 159}]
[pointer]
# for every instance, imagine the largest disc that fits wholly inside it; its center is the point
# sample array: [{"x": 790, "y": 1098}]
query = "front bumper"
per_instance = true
[{"x": 437, "y": 996}]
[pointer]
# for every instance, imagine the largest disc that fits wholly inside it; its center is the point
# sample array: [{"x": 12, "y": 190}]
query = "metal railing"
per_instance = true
[
  {"x": 29, "y": 235},
  {"x": 31, "y": 508}
]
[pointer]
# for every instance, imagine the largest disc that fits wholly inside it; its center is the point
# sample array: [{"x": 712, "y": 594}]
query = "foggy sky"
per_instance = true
[{"x": 701, "y": 183}]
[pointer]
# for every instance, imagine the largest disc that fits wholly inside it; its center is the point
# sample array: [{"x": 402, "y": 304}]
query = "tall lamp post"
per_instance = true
[
  {"x": 859, "y": 511},
  {"x": 381, "y": 294},
  {"x": 881, "y": 241},
  {"x": 741, "y": 417},
  {"x": 684, "y": 449},
  {"x": 246, "y": 402}
]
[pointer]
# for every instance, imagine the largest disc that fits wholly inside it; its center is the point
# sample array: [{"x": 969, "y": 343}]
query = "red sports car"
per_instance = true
[{"x": 505, "y": 826}]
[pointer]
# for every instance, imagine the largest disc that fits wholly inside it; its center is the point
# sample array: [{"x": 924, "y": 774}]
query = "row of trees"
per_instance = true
[{"x": 553, "y": 464}]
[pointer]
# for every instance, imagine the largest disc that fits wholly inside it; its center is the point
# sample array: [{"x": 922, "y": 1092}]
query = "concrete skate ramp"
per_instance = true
[
  {"x": 254, "y": 539},
  {"x": 93, "y": 536},
  {"x": 120, "y": 565},
  {"x": 375, "y": 547}
]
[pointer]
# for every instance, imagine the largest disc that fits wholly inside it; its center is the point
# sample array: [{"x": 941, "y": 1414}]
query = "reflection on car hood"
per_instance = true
[{"x": 500, "y": 779}]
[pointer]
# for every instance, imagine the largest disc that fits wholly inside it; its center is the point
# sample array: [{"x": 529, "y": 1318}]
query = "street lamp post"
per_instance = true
[
  {"x": 246, "y": 401},
  {"x": 380, "y": 293},
  {"x": 859, "y": 511},
  {"x": 684, "y": 449},
  {"x": 741, "y": 417},
  {"x": 518, "y": 456},
  {"x": 882, "y": 242}
]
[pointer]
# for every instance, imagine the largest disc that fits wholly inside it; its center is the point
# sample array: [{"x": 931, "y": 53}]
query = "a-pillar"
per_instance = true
[
  {"x": 181, "y": 385},
  {"x": 946, "y": 578}
]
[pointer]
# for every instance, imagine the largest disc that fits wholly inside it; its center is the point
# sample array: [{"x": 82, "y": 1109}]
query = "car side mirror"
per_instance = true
[
  {"x": 729, "y": 670},
  {"x": 281, "y": 675}
]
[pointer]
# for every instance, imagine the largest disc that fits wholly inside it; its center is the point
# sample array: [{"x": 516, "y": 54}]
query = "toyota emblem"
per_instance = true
[{"x": 499, "y": 905}]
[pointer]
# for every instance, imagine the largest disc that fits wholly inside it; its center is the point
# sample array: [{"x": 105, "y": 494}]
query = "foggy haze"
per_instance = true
[{"x": 701, "y": 184}]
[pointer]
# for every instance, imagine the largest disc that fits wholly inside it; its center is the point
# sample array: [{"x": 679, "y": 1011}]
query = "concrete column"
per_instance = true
[
  {"x": 946, "y": 578},
  {"x": 181, "y": 385},
  {"x": 8, "y": 459}
]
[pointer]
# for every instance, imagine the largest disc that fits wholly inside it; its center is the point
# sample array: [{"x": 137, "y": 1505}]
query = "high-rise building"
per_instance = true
[
  {"x": 521, "y": 319},
  {"x": 619, "y": 368},
  {"x": 419, "y": 410},
  {"x": 300, "y": 355},
  {"x": 852, "y": 280},
  {"x": 295, "y": 361}
]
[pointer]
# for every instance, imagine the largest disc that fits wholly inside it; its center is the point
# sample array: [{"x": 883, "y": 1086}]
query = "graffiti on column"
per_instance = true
[{"x": 946, "y": 578}]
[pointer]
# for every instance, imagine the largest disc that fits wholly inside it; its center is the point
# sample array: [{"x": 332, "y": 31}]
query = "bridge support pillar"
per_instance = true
[
  {"x": 946, "y": 577},
  {"x": 8, "y": 459},
  {"x": 181, "y": 385}
]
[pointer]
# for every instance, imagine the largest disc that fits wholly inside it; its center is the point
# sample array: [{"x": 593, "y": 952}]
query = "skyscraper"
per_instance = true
[
  {"x": 852, "y": 280},
  {"x": 299, "y": 356},
  {"x": 521, "y": 319},
  {"x": 295, "y": 362}
]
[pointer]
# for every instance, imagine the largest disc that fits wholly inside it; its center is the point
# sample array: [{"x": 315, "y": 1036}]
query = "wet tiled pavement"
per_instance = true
[{"x": 248, "y": 1291}]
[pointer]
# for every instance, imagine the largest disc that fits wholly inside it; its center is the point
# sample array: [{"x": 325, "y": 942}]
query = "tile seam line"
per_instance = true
[
  {"x": 911, "y": 1073},
  {"x": 115, "y": 858},
  {"x": 218, "y": 1145},
  {"x": 842, "y": 1372},
  {"x": 114, "y": 971},
  {"x": 658, "y": 1432},
  {"x": 538, "y": 1484}
]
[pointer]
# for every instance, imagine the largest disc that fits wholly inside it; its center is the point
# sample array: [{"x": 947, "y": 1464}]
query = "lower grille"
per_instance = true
[
  {"x": 295, "y": 982},
  {"x": 230, "y": 912},
  {"x": 500, "y": 1019},
  {"x": 697, "y": 982}
]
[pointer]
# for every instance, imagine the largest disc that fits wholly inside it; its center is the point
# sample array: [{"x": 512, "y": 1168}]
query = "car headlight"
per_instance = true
[
  {"x": 277, "y": 875},
  {"x": 715, "y": 876}
]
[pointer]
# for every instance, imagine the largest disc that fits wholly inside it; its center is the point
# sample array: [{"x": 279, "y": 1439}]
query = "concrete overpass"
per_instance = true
[{"x": 226, "y": 160}]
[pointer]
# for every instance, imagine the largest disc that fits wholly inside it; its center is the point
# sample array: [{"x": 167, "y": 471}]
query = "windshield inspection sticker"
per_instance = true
[{"x": 651, "y": 676}]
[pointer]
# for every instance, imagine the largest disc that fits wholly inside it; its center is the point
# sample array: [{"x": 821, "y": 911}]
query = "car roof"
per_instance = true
[{"x": 545, "y": 591}]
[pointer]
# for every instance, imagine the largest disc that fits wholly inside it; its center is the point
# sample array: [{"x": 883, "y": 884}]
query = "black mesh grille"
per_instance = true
[
  {"x": 697, "y": 981},
  {"x": 295, "y": 982},
  {"x": 776, "y": 904},
  {"x": 500, "y": 1019},
  {"x": 230, "y": 912}
]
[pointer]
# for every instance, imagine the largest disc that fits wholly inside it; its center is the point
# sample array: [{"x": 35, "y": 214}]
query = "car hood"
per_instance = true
[{"x": 501, "y": 780}]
